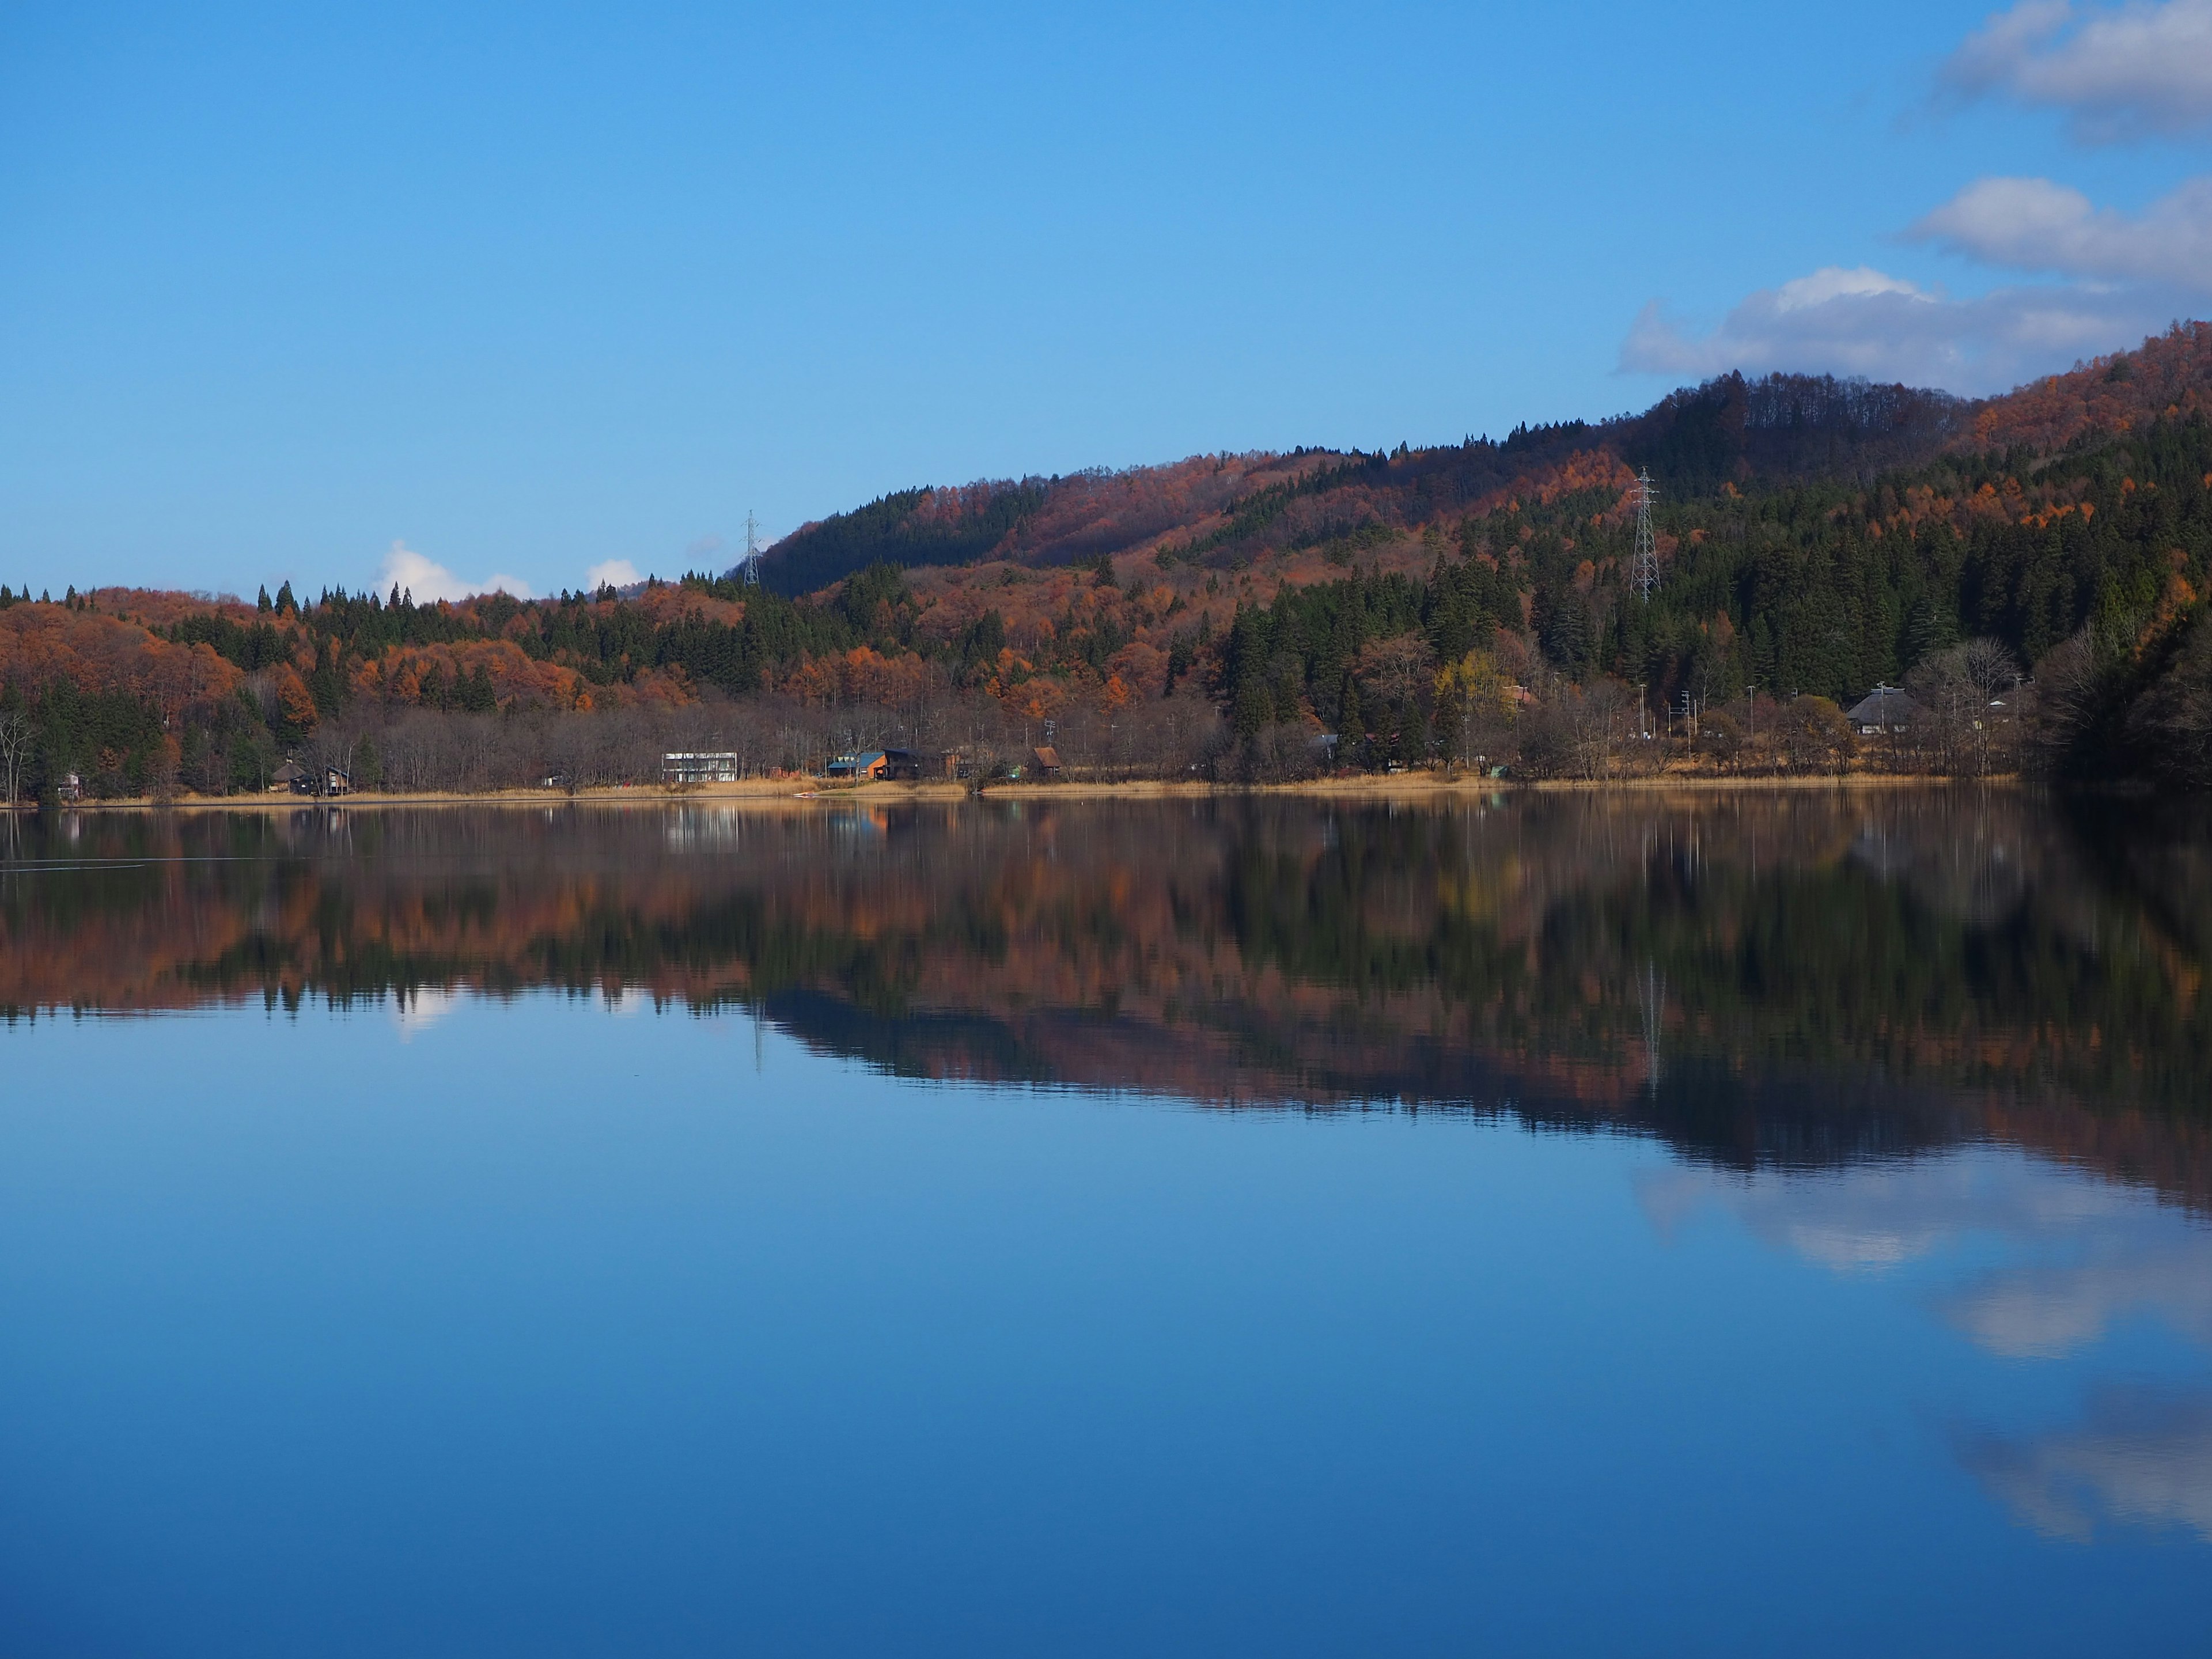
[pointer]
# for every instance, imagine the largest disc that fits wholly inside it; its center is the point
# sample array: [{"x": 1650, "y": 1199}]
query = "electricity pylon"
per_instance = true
[
  {"x": 1646, "y": 576},
  {"x": 752, "y": 551}
]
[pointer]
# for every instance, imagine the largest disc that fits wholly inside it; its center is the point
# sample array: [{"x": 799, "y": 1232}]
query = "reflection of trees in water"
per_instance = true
[{"x": 1836, "y": 967}]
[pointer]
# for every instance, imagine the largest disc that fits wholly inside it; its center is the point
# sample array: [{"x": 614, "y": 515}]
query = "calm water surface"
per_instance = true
[{"x": 1532, "y": 1226}]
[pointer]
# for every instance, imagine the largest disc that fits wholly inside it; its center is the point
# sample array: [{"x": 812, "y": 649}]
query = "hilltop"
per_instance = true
[{"x": 1264, "y": 508}]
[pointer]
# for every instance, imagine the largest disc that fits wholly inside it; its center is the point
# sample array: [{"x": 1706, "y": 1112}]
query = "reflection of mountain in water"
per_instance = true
[{"x": 1795, "y": 980}]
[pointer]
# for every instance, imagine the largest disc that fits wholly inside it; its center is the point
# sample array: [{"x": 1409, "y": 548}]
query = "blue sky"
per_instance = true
[{"x": 519, "y": 293}]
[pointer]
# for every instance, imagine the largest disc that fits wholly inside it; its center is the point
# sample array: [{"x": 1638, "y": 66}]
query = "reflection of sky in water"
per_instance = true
[
  {"x": 511, "y": 1325},
  {"x": 2136, "y": 1454},
  {"x": 418, "y": 1011},
  {"x": 2077, "y": 1260}
]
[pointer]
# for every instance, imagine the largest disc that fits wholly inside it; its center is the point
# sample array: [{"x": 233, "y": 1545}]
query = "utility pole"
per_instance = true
[{"x": 1646, "y": 574}]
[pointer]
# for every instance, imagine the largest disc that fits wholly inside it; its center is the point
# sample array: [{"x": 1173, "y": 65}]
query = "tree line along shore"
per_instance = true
[{"x": 1850, "y": 580}]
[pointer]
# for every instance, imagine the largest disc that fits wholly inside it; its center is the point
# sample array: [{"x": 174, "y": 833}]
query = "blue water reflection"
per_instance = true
[
  {"x": 468, "y": 1316},
  {"x": 538, "y": 1329}
]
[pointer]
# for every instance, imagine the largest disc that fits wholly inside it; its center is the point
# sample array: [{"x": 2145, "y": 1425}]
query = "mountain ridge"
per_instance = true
[{"x": 1774, "y": 429}]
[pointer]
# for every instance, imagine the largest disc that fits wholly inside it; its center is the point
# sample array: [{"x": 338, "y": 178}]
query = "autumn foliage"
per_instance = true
[
  {"x": 1815, "y": 537},
  {"x": 43, "y": 645}
]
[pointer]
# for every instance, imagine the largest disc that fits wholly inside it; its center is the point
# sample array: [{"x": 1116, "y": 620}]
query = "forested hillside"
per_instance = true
[
  {"x": 2031, "y": 567},
  {"x": 1781, "y": 427}
]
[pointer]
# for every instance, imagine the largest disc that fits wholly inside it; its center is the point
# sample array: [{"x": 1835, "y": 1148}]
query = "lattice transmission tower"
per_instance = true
[
  {"x": 1654, "y": 1024},
  {"x": 752, "y": 551},
  {"x": 1646, "y": 576}
]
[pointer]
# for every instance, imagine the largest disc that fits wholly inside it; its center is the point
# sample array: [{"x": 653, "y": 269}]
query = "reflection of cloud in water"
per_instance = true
[
  {"x": 627, "y": 1002},
  {"x": 2088, "y": 1252},
  {"x": 1876, "y": 1216},
  {"x": 2041, "y": 1311},
  {"x": 2136, "y": 1458},
  {"x": 2096, "y": 1251},
  {"x": 417, "y": 1010}
]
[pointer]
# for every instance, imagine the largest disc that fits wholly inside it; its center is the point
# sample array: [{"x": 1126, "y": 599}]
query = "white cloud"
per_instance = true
[
  {"x": 1865, "y": 322},
  {"x": 2032, "y": 224},
  {"x": 612, "y": 572},
  {"x": 428, "y": 580},
  {"x": 1834, "y": 283},
  {"x": 2123, "y": 74}
]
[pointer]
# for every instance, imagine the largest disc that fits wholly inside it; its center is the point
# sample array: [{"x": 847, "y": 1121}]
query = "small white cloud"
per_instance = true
[
  {"x": 2140, "y": 70},
  {"x": 1864, "y": 322},
  {"x": 2032, "y": 224},
  {"x": 424, "y": 577},
  {"x": 1834, "y": 283},
  {"x": 612, "y": 572},
  {"x": 429, "y": 581}
]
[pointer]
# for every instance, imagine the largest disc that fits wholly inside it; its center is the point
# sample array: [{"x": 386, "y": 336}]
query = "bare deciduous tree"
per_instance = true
[
  {"x": 16, "y": 734},
  {"x": 1962, "y": 694}
]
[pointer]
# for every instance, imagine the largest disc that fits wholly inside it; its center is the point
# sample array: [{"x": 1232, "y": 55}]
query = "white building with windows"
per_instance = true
[{"x": 720, "y": 767}]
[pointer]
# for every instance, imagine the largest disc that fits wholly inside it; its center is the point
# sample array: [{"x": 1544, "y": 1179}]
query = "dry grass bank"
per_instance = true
[
  {"x": 764, "y": 792},
  {"x": 750, "y": 790}
]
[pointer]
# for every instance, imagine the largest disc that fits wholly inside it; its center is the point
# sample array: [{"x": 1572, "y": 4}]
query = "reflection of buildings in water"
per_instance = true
[
  {"x": 1972, "y": 870},
  {"x": 698, "y": 828},
  {"x": 860, "y": 825},
  {"x": 2136, "y": 1455}
]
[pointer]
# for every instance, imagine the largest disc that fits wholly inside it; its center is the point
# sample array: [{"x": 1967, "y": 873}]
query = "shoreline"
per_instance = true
[{"x": 762, "y": 792}]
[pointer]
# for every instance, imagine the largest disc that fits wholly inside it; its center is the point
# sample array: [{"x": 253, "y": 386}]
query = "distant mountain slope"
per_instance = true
[
  {"x": 2169, "y": 374},
  {"x": 1228, "y": 510}
]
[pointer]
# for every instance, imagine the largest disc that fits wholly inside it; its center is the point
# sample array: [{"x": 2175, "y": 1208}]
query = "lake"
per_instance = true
[{"x": 1538, "y": 1223}]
